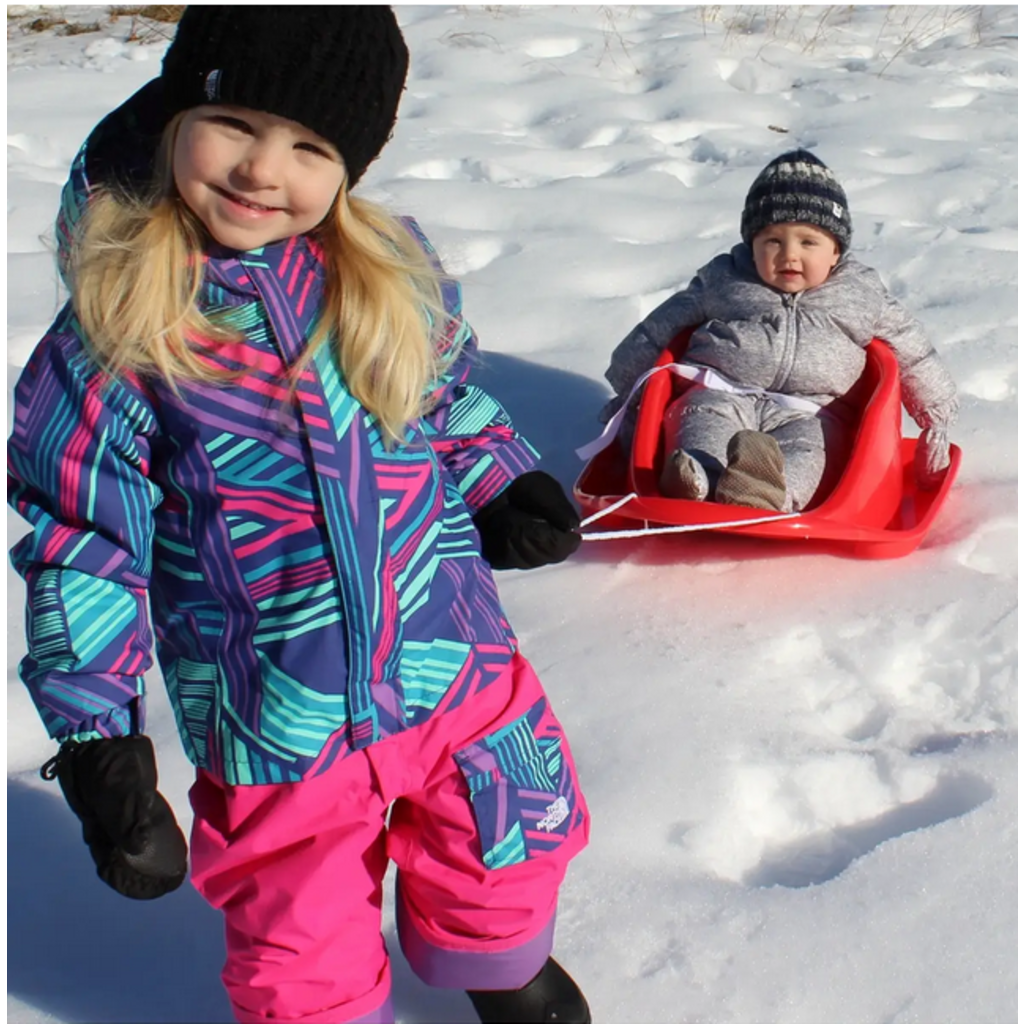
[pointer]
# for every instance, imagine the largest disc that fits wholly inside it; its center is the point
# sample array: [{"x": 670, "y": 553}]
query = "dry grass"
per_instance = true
[
  {"x": 148, "y": 23},
  {"x": 60, "y": 25},
  {"x": 905, "y": 28},
  {"x": 169, "y": 14},
  {"x": 79, "y": 28},
  {"x": 47, "y": 21},
  {"x": 614, "y": 42}
]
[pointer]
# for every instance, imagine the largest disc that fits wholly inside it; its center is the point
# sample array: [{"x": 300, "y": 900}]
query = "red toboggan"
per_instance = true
[{"x": 876, "y": 510}]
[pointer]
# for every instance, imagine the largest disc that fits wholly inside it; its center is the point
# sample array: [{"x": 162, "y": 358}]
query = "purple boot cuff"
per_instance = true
[
  {"x": 384, "y": 1014},
  {"x": 453, "y": 968}
]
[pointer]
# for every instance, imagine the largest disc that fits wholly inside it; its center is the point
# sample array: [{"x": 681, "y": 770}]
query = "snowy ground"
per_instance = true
[{"x": 802, "y": 768}]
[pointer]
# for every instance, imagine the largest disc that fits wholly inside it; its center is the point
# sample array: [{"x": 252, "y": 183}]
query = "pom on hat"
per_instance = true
[
  {"x": 797, "y": 188},
  {"x": 338, "y": 70}
]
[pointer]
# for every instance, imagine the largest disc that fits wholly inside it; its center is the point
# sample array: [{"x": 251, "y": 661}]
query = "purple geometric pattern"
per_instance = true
[
  {"x": 522, "y": 788},
  {"x": 311, "y": 590}
]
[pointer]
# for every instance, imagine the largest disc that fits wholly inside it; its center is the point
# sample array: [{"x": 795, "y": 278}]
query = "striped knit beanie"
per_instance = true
[
  {"x": 797, "y": 188},
  {"x": 337, "y": 70}
]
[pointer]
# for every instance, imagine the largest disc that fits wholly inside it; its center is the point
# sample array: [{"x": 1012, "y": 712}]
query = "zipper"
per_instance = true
[{"x": 789, "y": 304}]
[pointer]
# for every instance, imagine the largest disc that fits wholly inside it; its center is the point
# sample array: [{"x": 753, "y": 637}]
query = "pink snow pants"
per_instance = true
[{"x": 298, "y": 868}]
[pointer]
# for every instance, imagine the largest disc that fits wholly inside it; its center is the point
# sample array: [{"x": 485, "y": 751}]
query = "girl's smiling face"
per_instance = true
[
  {"x": 794, "y": 257},
  {"x": 254, "y": 178}
]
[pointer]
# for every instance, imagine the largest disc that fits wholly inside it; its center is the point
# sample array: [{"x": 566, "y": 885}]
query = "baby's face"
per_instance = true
[{"x": 794, "y": 257}]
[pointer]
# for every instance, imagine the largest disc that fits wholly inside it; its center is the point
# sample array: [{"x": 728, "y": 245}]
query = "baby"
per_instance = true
[{"x": 782, "y": 322}]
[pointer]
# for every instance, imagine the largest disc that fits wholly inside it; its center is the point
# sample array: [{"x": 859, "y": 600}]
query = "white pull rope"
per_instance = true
[
  {"x": 608, "y": 511},
  {"x": 611, "y": 428},
  {"x": 649, "y": 531}
]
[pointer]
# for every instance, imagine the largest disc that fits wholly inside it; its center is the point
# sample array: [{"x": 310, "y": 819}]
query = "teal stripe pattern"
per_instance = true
[
  {"x": 522, "y": 789},
  {"x": 308, "y": 589}
]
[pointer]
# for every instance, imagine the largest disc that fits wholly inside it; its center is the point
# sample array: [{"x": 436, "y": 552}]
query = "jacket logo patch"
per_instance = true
[
  {"x": 557, "y": 813},
  {"x": 211, "y": 87}
]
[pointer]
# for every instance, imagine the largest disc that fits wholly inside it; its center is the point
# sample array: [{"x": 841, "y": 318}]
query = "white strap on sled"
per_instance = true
[
  {"x": 704, "y": 376},
  {"x": 649, "y": 531}
]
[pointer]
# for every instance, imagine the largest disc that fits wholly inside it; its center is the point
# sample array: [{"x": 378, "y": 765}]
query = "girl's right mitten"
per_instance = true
[{"x": 128, "y": 826}]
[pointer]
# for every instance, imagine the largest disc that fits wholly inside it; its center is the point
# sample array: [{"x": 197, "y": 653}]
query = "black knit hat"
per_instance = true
[
  {"x": 337, "y": 70},
  {"x": 797, "y": 188}
]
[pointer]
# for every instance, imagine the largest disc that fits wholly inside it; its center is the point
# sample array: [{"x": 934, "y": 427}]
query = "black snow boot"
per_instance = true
[{"x": 551, "y": 998}]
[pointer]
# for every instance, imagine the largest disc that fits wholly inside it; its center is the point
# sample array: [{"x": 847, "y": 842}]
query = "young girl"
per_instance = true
[
  {"x": 782, "y": 322},
  {"x": 254, "y": 416}
]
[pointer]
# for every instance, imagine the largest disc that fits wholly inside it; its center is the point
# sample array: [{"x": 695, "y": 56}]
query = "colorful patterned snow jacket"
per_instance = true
[{"x": 312, "y": 592}]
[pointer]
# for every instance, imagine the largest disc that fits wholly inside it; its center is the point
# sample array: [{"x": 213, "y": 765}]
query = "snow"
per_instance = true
[{"x": 801, "y": 767}]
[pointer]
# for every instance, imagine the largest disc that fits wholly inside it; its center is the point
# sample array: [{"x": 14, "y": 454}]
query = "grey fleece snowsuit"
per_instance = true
[{"x": 810, "y": 345}]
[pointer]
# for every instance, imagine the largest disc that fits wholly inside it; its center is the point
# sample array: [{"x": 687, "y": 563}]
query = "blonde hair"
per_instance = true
[{"x": 136, "y": 270}]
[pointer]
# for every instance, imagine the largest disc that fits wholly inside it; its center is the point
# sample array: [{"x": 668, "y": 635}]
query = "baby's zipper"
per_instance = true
[{"x": 789, "y": 303}]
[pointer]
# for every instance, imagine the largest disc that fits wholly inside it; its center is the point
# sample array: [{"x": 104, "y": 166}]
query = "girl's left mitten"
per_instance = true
[
  {"x": 530, "y": 524},
  {"x": 128, "y": 826}
]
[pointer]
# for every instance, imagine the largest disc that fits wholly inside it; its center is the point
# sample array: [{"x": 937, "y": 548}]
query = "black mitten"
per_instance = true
[
  {"x": 127, "y": 825},
  {"x": 531, "y": 523}
]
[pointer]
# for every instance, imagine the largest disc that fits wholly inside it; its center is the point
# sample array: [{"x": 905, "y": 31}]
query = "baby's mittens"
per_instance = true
[
  {"x": 931, "y": 457},
  {"x": 530, "y": 524}
]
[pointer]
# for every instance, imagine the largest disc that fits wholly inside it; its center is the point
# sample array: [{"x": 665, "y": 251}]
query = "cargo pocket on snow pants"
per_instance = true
[{"x": 523, "y": 788}]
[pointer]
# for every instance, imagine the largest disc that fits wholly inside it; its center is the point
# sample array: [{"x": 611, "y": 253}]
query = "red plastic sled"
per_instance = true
[{"x": 875, "y": 510}]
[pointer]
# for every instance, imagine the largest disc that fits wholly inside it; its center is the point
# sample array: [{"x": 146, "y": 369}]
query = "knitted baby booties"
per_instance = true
[
  {"x": 551, "y": 997},
  {"x": 755, "y": 475},
  {"x": 683, "y": 477}
]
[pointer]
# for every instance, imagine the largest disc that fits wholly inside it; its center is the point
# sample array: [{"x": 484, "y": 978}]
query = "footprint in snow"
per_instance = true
[
  {"x": 895, "y": 695},
  {"x": 531, "y": 169},
  {"x": 986, "y": 550},
  {"x": 804, "y": 823},
  {"x": 476, "y": 253},
  {"x": 546, "y": 49},
  {"x": 677, "y": 130},
  {"x": 825, "y": 855},
  {"x": 952, "y": 671},
  {"x": 607, "y": 135}
]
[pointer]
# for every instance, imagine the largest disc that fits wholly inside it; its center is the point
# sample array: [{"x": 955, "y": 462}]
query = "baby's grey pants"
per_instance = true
[{"x": 702, "y": 421}]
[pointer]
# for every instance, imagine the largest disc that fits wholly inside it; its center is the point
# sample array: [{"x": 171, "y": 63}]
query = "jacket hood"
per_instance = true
[
  {"x": 121, "y": 149},
  {"x": 119, "y": 153}
]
